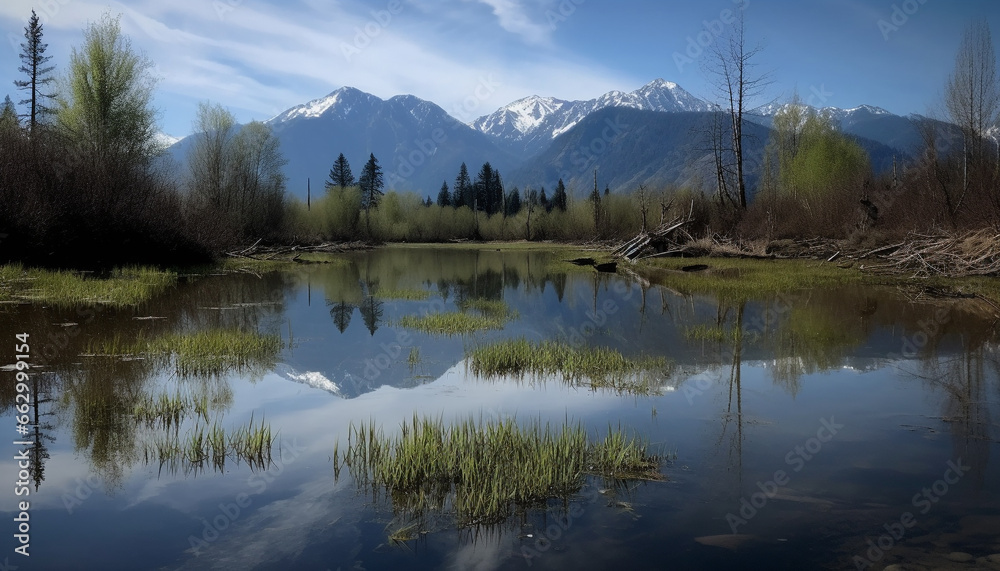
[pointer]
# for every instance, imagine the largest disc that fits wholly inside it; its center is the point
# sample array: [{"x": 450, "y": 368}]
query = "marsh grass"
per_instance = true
[
  {"x": 473, "y": 315},
  {"x": 594, "y": 367},
  {"x": 414, "y": 358},
  {"x": 402, "y": 294},
  {"x": 208, "y": 352},
  {"x": 710, "y": 333},
  {"x": 209, "y": 444},
  {"x": 740, "y": 279},
  {"x": 122, "y": 287},
  {"x": 484, "y": 471}
]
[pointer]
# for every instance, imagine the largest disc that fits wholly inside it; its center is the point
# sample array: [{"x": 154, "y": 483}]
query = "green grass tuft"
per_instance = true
[
  {"x": 596, "y": 367},
  {"x": 207, "y": 352},
  {"x": 403, "y": 294},
  {"x": 485, "y": 471},
  {"x": 129, "y": 286},
  {"x": 473, "y": 315}
]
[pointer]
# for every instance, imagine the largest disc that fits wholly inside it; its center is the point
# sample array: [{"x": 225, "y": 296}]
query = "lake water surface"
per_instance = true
[{"x": 820, "y": 429}]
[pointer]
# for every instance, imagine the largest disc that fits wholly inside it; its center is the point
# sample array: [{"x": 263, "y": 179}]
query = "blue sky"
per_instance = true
[{"x": 260, "y": 57}]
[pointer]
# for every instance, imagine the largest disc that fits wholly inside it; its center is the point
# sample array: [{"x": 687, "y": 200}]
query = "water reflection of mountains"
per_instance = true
[{"x": 336, "y": 326}]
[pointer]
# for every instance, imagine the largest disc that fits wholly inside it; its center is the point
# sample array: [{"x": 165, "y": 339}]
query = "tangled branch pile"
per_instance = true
[{"x": 971, "y": 254}]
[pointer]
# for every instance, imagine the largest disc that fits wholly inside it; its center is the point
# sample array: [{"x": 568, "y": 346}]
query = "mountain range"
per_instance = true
[{"x": 653, "y": 135}]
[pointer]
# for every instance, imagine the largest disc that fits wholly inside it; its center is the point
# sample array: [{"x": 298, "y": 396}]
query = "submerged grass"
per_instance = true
[
  {"x": 121, "y": 287},
  {"x": 596, "y": 367},
  {"x": 474, "y": 315},
  {"x": 211, "y": 444},
  {"x": 483, "y": 471},
  {"x": 207, "y": 352}
]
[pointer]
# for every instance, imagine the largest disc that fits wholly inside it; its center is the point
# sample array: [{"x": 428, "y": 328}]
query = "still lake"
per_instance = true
[{"x": 820, "y": 429}]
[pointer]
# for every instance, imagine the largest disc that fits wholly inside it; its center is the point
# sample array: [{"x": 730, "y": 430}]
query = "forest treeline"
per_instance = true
[{"x": 85, "y": 183}]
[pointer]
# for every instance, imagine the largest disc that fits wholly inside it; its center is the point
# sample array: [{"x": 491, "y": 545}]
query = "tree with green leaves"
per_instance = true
[
  {"x": 33, "y": 60},
  {"x": 371, "y": 184},
  {"x": 444, "y": 196},
  {"x": 106, "y": 106},
  {"x": 462, "y": 192},
  {"x": 340, "y": 174},
  {"x": 824, "y": 158},
  {"x": 236, "y": 175}
]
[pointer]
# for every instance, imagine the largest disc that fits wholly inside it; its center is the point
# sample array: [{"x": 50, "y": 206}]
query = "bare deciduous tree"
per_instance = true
[{"x": 738, "y": 84}]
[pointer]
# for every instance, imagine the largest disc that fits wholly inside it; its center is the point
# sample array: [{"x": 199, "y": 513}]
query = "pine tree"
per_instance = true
[
  {"x": 543, "y": 200},
  {"x": 340, "y": 174},
  {"x": 496, "y": 192},
  {"x": 371, "y": 184},
  {"x": 463, "y": 190},
  {"x": 33, "y": 60},
  {"x": 484, "y": 180},
  {"x": 444, "y": 196},
  {"x": 559, "y": 200},
  {"x": 513, "y": 202},
  {"x": 8, "y": 115}
]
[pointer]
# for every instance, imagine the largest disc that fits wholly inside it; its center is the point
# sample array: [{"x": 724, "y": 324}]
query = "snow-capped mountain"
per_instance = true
[
  {"x": 532, "y": 141},
  {"x": 527, "y": 126},
  {"x": 415, "y": 141}
]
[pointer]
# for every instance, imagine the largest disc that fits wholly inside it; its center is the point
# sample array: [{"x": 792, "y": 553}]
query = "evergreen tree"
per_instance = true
[
  {"x": 429, "y": 202},
  {"x": 543, "y": 200},
  {"x": 483, "y": 185},
  {"x": 496, "y": 192},
  {"x": 8, "y": 115},
  {"x": 513, "y": 202},
  {"x": 463, "y": 190},
  {"x": 371, "y": 184},
  {"x": 33, "y": 60},
  {"x": 340, "y": 174},
  {"x": 341, "y": 313},
  {"x": 444, "y": 196},
  {"x": 559, "y": 200},
  {"x": 607, "y": 190}
]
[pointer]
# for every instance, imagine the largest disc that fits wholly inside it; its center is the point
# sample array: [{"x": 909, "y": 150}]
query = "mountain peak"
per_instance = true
[
  {"x": 345, "y": 97},
  {"x": 660, "y": 83}
]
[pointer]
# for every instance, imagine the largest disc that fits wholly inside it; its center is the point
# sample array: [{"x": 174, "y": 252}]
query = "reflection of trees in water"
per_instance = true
[
  {"x": 813, "y": 337},
  {"x": 734, "y": 404},
  {"x": 341, "y": 313},
  {"x": 372, "y": 312},
  {"x": 95, "y": 396},
  {"x": 965, "y": 383}
]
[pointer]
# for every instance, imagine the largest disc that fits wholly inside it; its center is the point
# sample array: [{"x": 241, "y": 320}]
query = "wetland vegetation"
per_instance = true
[{"x": 484, "y": 471}]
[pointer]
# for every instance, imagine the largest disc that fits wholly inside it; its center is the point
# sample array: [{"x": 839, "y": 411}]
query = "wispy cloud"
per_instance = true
[{"x": 513, "y": 17}]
